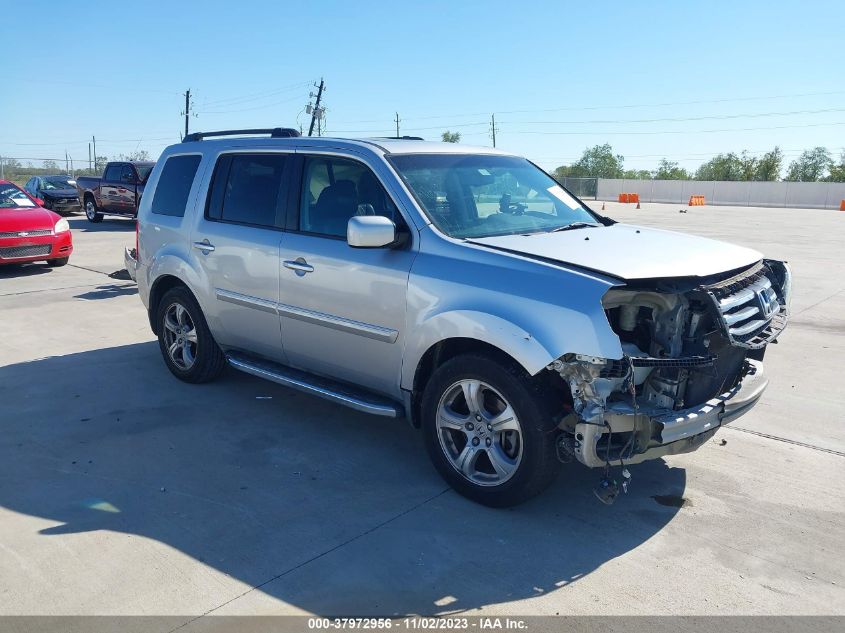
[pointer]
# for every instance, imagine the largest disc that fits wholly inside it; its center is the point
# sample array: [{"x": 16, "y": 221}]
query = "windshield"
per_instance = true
[
  {"x": 58, "y": 182},
  {"x": 144, "y": 170},
  {"x": 13, "y": 198},
  {"x": 477, "y": 195}
]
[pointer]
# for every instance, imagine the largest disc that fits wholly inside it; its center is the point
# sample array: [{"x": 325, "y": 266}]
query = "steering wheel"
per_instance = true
[{"x": 514, "y": 208}]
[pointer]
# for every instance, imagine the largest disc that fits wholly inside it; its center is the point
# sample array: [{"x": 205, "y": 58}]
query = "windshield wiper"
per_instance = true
[{"x": 575, "y": 225}]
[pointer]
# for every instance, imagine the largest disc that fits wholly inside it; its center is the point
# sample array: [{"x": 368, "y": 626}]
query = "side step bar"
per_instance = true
[{"x": 326, "y": 388}]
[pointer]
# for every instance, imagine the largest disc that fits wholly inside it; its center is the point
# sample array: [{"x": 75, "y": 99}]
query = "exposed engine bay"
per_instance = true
[{"x": 692, "y": 352}]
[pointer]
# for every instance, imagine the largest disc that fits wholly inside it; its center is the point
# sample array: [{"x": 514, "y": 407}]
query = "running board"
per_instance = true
[{"x": 326, "y": 388}]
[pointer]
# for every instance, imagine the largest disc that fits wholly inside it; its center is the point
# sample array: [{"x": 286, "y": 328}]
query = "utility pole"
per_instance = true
[
  {"x": 89, "y": 157},
  {"x": 94, "y": 140},
  {"x": 493, "y": 129},
  {"x": 316, "y": 113},
  {"x": 187, "y": 108},
  {"x": 397, "y": 119},
  {"x": 67, "y": 166}
]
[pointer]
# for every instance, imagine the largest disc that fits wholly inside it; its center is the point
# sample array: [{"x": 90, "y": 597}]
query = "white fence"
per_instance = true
[{"x": 809, "y": 195}]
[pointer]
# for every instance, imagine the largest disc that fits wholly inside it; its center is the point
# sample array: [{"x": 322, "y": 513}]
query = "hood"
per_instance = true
[
  {"x": 58, "y": 193},
  {"x": 26, "y": 219},
  {"x": 630, "y": 252}
]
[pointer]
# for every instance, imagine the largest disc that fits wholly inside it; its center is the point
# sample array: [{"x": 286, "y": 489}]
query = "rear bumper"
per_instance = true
[
  {"x": 131, "y": 263},
  {"x": 672, "y": 432}
]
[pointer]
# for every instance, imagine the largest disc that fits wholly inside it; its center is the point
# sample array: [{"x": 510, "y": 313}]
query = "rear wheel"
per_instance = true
[
  {"x": 59, "y": 261},
  {"x": 489, "y": 430},
  {"x": 91, "y": 211},
  {"x": 190, "y": 352}
]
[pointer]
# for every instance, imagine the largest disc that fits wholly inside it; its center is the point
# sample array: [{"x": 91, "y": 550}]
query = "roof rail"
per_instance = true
[
  {"x": 276, "y": 132},
  {"x": 401, "y": 138}
]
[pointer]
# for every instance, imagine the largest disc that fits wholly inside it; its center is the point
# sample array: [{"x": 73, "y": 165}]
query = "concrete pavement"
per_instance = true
[{"x": 124, "y": 491}]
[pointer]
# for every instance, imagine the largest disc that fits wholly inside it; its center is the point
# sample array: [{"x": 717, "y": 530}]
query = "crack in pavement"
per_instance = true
[
  {"x": 818, "y": 303},
  {"x": 316, "y": 557},
  {"x": 787, "y": 441}
]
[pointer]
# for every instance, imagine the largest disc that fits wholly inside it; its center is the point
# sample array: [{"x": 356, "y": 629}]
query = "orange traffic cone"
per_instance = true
[{"x": 638, "y": 204}]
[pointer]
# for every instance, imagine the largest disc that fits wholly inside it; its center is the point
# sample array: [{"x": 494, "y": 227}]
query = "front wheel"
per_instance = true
[
  {"x": 91, "y": 211},
  {"x": 489, "y": 430}
]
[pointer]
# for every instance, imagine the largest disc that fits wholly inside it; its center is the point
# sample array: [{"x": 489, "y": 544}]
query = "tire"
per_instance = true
[
  {"x": 194, "y": 359},
  {"x": 58, "y": 262},
  {"x": 91, "y": 211},
  {"x": 525, "y": 456}
]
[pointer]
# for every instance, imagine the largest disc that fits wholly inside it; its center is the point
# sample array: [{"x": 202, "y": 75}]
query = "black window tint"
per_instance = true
[
  {"x": 112, "y": 173},
  {"x": 174, "y": 185},
  {"x": 127, "y": 174},
  {"x": 334, "y": 190},
  {"x": 247, "y": 189}
]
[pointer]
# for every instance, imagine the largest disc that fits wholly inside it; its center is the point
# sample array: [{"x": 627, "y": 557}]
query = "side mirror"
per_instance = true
[
  {"x": 39, "y": 202},
  {"x": 370, "y": 231}
]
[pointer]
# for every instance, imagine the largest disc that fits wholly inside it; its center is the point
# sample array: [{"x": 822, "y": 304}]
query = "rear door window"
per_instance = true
[
  {"x": 249, "y": 189},
  {"x": 174, "y": 185},
  {"x": 112, "y": 173}
]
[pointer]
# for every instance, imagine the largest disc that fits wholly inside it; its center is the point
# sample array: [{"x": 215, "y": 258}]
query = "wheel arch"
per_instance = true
[{"x": 441, "y": 352}]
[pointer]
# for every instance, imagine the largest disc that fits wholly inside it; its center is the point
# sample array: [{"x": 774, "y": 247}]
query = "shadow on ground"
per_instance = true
[
  {"x": 109, "y": 291},
  {"x": 326, "y": 509},
  {"x": 7, "y": 271},
  {"x": 108, "y": 224}
]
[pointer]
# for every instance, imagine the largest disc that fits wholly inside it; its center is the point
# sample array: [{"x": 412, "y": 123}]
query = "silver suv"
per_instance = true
[{"x": 461, "y": 288}]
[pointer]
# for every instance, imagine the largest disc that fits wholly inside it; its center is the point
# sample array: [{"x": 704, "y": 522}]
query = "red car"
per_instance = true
[{"x": 30, "y": 233}]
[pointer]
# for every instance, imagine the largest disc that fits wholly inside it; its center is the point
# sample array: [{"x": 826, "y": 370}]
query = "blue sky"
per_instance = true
[{"x": 560, "y": 76}]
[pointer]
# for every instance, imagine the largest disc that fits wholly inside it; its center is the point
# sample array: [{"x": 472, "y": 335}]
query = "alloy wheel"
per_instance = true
[
  {"x": 180, "y": 336},
  {"x": 479, "y": 432}
]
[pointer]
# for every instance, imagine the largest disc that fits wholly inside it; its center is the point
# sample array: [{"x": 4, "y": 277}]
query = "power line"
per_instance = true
[
  {"x": 615, "y": 106},
  {"x": 260, "y": 107},
  {"x": 739, "y": 129},
  {"x": 255, "y": 96}
]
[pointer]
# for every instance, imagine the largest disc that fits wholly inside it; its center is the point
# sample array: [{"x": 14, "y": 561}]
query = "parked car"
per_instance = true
[
  {"x": 29, "y": 232},
  {"x": 58, "y": 193},
  {"x": 117, "y": 192},
  {"x": 461, "y": 288}
]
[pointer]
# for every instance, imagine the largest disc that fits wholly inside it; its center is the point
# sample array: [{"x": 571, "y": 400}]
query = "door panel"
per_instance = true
[
  {"x": 237, "y": 242},
  {"x": 109, "y": 200},
  {"x": 243, "y": 270},
  {"x": 346, "y": 318},
  {"x": 343, "y": 309}
]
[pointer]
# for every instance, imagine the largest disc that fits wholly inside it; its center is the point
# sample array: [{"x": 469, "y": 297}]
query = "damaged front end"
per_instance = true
[{"x": 692, "y": 361}]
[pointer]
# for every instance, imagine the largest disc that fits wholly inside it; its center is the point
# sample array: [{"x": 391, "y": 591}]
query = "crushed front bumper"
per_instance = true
[{"x": 660, "y": 433}]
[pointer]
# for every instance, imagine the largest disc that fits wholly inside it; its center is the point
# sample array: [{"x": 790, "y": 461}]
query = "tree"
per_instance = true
[
  {"x": 637, "y": 174},
  {"x": 810, "y": 166},
  {"x": 138, "y": 154},
  {"x": 769, "y": 165},
  {"x": 721, "y": 167},
  {"x": 596, "y": 162},
  {"x": 669, "y": 170},
  {"x": 837, "y": 172},
  {"x": 451, "y": 137},
  {"x": 747, "y": 166}
]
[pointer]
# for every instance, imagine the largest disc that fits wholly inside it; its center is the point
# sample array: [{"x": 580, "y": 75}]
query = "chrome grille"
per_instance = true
[
  {"x": 37, "y": 233},
  {"x": 25, "y": 251},
  {"x": 750, "y": 308}
]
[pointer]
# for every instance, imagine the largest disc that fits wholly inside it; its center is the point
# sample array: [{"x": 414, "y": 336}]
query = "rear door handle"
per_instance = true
[
  {"x": 205, "y": 246},
  {"x": 299, "y": 265}
]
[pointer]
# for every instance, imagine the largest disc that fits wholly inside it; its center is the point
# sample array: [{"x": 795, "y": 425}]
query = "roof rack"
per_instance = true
[{"x": 276, "y": 132}]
